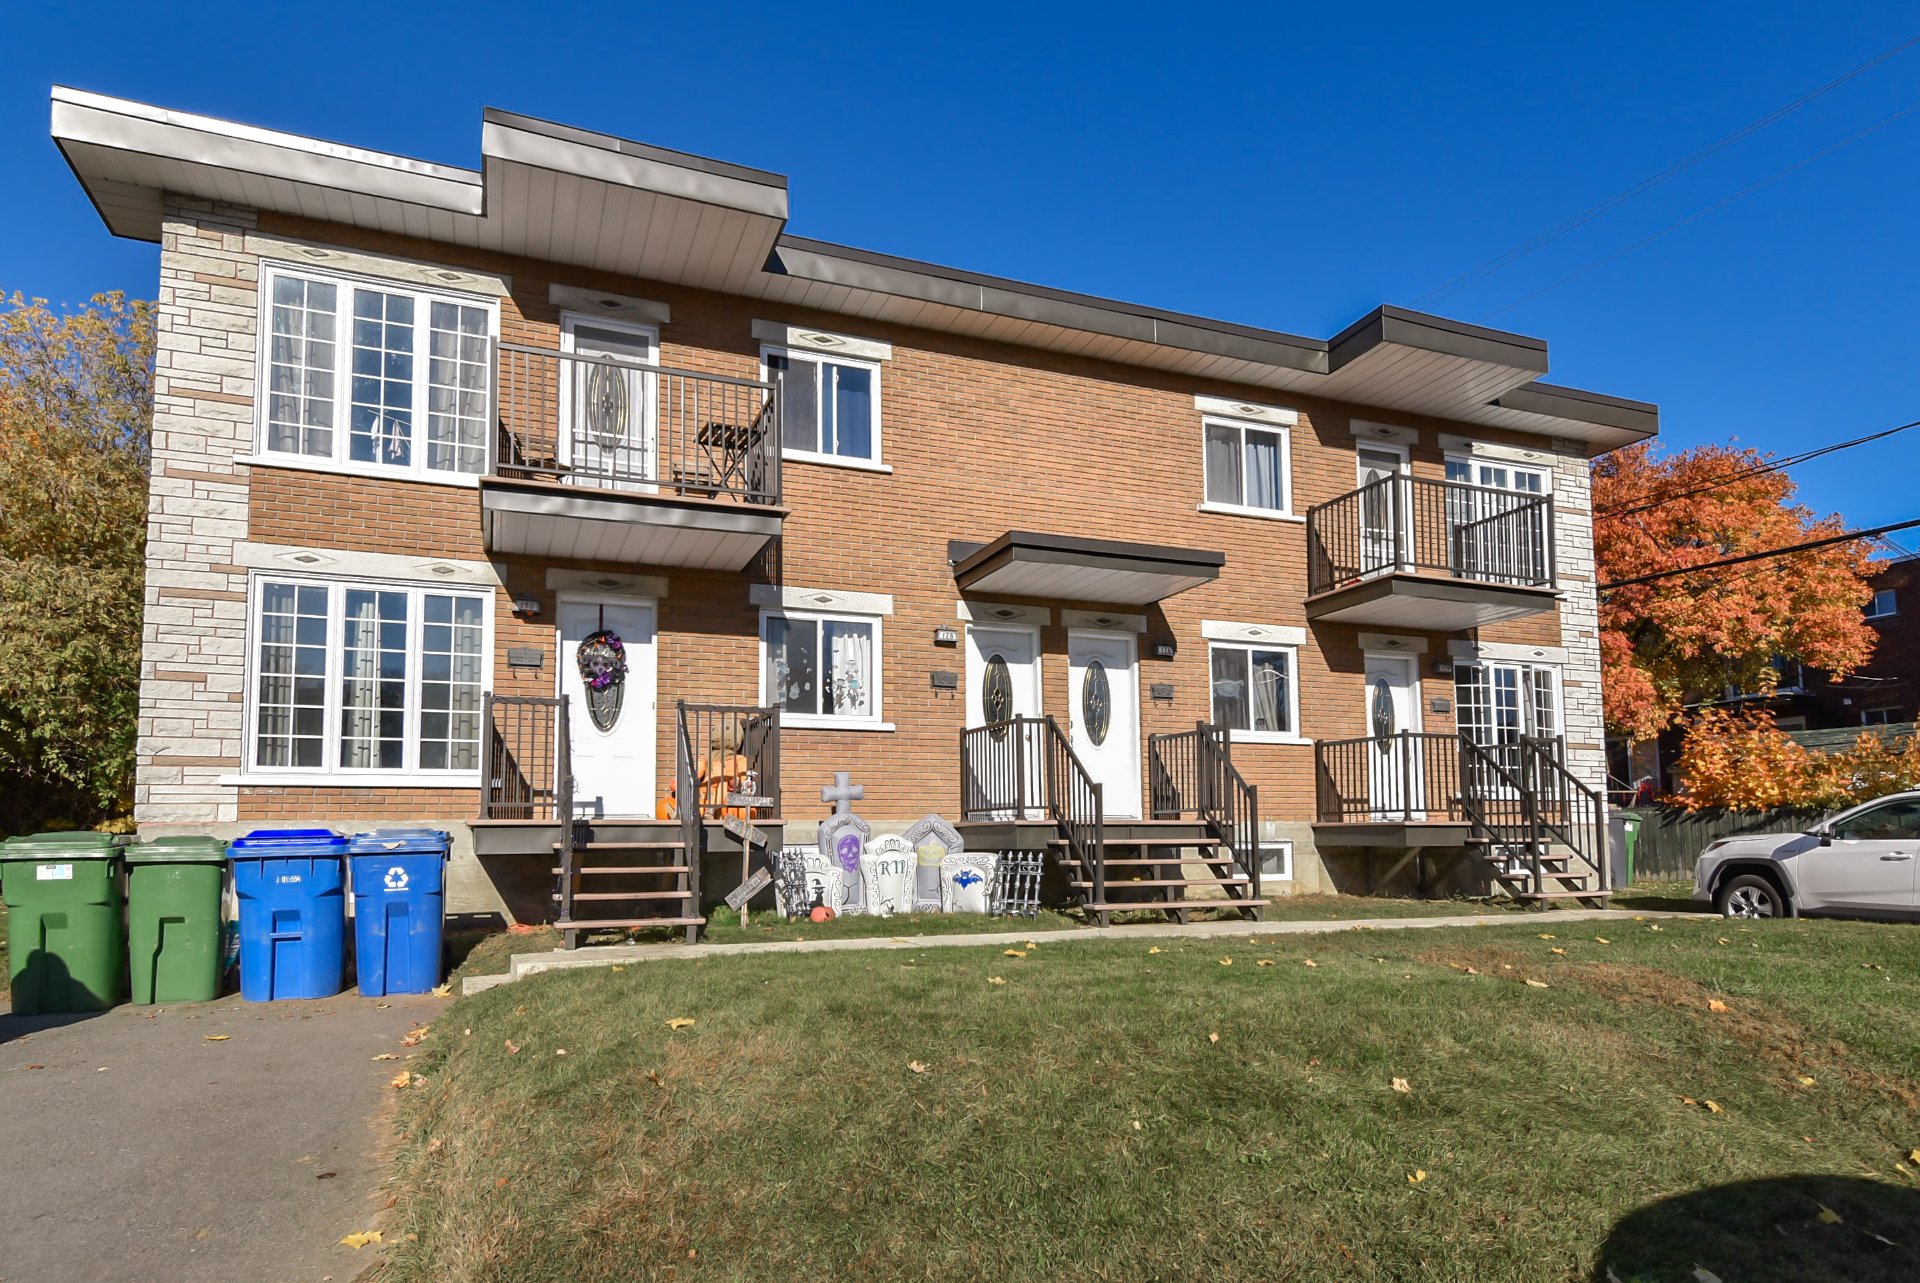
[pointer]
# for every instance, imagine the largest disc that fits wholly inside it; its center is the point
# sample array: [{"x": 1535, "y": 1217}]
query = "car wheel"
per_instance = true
[{"x": 1750, "y": 896}]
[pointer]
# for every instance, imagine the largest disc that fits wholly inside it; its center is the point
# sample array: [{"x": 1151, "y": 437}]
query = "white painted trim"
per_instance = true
[
  {"x": 1365, "y": 430},
  {"x": 972, "y": 692},
  {"x": 406, "y": 271},
  {"x": 1285, "y": 844},
  {"x": 1268, "y": 737},
  {"x": 1393, "y": 644},
  {"x": 1225, "y": 408},
  {"x": 266, "y": 778},
  {"x": 1259, "y": 634},
  {"x": 834, "y": 461},
  {"x": 295, "y": 559},
  {"x": 1469, "y": 448},
  {"x": 816, "y": 600},
  {"x": 806, "y": 338},
  {"x": 354, "y": 468},
  {"x": 1263, "y": 514},
  {"x": 985, "y": 613},
  {"x": 829, "y": 721},
  {"x": 1416, "y": 692},
  {"x": 600, "y": 583},
  {"x": 1103, "y": 621},
  {"x": 619, "y": 307},
  {"x": 1401, "y": 452},
  {"x": 1506, "y": 653}
]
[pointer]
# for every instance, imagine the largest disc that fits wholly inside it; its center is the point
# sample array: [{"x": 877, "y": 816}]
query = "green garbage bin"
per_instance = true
[
  {"x": 66, "y": 930},
  {"x": 1631, "y": 823},
  {"x": 173, "y": 918}
]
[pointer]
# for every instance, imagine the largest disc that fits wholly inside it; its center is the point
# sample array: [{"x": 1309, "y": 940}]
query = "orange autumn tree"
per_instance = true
[
  {"x": 1743, "y": 762},
  {"x": 1675, "y": 640}
]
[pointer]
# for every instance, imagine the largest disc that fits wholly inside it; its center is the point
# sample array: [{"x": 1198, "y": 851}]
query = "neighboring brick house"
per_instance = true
[
  {"x": 1885, "y": 691},
  {"x": 421, "y": 431}
]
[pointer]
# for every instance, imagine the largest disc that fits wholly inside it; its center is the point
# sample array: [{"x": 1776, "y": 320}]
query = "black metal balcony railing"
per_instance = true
[
  {"x": 613, "y": 424},
  {"x": 1413, "y": 525}
]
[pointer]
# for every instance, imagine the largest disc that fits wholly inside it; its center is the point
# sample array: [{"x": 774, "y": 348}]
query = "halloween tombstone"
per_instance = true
[
  {"x": 966, "y": 882},
  {"x": 791, "y": 896},
  {"x": 822, "y": 885},
  {"x": 886, "y": 873},
  {"x": 842, "y": 837},
  {"x": 932, "y": 840}
]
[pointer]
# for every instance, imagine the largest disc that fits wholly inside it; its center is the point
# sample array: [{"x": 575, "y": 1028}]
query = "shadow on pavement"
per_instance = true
[
  {"x": 12, "y": 1026},
  {"x": 1780, "y": 1230}
]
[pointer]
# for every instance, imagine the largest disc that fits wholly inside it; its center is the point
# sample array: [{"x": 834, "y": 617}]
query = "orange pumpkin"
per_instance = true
[{"x": 821, "y": 913}]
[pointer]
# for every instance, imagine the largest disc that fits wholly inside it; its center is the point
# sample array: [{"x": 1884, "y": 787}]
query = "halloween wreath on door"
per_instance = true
[{"x": 602, "y": 660}]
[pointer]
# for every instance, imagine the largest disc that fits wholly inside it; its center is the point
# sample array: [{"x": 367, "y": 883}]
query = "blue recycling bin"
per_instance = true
[
  {"x": 293, "y": 913},
  {"x": 399, "y": 903}
]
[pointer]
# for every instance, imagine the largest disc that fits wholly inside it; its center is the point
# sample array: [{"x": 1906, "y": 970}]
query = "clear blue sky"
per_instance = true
[{"x": 1286, "y": 165}]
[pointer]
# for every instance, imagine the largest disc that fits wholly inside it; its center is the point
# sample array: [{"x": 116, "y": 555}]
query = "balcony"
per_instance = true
[
  {"x": 602, "y": 459},
  {"x": 1439, "y": 556}
]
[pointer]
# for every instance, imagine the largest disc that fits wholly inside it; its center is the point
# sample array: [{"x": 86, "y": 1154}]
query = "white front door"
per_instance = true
[
  {"x": 607, "y": 410},
  {"x": 1384, "y": 509},
  {"x": 1105, "y": 714},
  {"x": 611, "y": 729},
  {"x": 1003, "y": 682},
  {"x": 1395, "y": 765}
]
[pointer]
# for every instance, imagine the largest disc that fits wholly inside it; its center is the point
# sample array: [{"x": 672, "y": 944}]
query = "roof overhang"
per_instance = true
[
  {"x": 555, "y": 521},
  {"x": 563, "y": 195},
  {"x": 1022, "y": 563}
]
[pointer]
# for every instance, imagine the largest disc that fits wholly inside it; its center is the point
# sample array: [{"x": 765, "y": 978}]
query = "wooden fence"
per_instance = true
[{"x": 1671, "y": 839}]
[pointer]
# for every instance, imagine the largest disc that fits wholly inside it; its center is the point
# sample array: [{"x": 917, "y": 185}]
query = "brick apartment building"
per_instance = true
[{"x": 1003, "y": 553}]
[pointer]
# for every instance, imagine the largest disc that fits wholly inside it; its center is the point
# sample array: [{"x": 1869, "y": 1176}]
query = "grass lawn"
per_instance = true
[{"x": 1069, "y": 1114}]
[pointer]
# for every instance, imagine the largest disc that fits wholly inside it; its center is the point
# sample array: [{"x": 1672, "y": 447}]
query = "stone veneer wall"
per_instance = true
[
  {"x": 1579, "y": 615},
  {"x": 193, "y": 654}
]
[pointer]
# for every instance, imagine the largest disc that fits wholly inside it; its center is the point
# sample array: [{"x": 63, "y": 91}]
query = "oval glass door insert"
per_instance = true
[
  {"x": 1382, "y": 708},
  {"x": 1096, "y": 702},
  {"x": 996, "y": 694}
]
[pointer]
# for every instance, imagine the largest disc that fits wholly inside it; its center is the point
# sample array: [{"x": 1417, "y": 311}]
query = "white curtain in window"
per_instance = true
[
  {"x": 1266, "y": 481},
  {"x": 1270, "y": 712},
  {"x": 849, "y": 650},
  {"x": 360, "y": 716},
  {"x": 1223, "y": 464}
]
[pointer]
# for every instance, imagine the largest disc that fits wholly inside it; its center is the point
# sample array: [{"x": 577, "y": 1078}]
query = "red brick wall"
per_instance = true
[{"x": 982, "y": 438}]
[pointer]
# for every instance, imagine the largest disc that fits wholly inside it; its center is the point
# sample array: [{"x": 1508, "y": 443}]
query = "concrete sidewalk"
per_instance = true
[
  {"x": 136, "y": 1150},
  {"x": 527, "y": 964}
]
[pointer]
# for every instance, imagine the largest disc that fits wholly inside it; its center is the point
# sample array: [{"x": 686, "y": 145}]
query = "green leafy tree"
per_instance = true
[{"x": 76, "y": 408}]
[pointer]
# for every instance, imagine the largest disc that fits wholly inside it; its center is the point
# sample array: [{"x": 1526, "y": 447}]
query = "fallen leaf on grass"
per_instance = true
[
  {"x": 616, "y": 967},
  {"x": 1226, "y": 962},
  {"x": 1402, "y": 1085},
  {"x": 361, "y": 1238},
  {"x": 1154, "y": 949},
  {"x": 1213, "y": 1037},
  {"x": 1311, "y": 963},
  {"x": 1014, "y": 953},
  {"x": 440, "y": 991},
  {"x": 1913, "y": 1156},
  {"x": 386, "y": 1055},
  {"x": 559, "y": 1051},
  {"x": 1712, "y": 1108},
  {"x": 916, "y": 1067},
  {"x": 1545, "y": 936},
  {"x": 1714, "y": 1004},
  {"x": 1561, "y": 952},
  {"x": 1601, "y": 940},
  {"x": 1263, "y": 962},
  {"x": 1032, "y": 945},
  {"x": 680, "y": 1022},
  {"x": 1136, "y": 1124},
  {"x": 1827, "y": 1215},
  {"x": 1653, "y": 926},
  {"x": 1701, "y": 1274},
  {"x": 1536, "y": 984},
  {"x": 996, "y": 980},
  {"x": 217, "y": 1037},
  {"x": 513, "y": 1048},
  {"x": 415, "y": 1035},
  {"x": 1416, "y": 1176},
  {"x": 1721, "y": 940},
  {"x": 1804, "y": 1080}
]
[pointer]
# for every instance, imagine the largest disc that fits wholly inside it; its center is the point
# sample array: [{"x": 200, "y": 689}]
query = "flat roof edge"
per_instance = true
[{"x": 629, "y": 147}]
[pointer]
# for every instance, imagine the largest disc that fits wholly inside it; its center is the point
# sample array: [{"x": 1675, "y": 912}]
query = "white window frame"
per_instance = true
[
  {"x": 1554, "y": 676},
  {"x": 340, "y": 460},
  {"x": 1873, "y": 610},
  {"x": 1880, "y": 716},
  {"x": 1283, "y": 513},
  {"x": 1238, "y": 735},
  {"x": 871, "y": 463},
  {"x": 329, "y": 773},
  {"x": 1282, "y": 848},
  {"x": 873, "y": 720},
  {"x": 1478, "y": 461}
]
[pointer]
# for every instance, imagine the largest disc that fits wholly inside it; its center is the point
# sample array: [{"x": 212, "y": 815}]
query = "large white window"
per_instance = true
[
  {"x": 821, "y": 670},
  {"x": 374, "y": 377},
  {"x": 829, "y": 406},
  {"x": 1255, "y": 691},
  {"x": 1248, "y": 466},
  {"x": 350, "y": 678},
  {"x": 1501, "y": 703},
  {"x": 1882, "y": 605}
]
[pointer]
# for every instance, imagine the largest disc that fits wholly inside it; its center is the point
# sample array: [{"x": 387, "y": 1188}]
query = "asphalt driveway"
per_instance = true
[{"x": 134, "y": 1146}]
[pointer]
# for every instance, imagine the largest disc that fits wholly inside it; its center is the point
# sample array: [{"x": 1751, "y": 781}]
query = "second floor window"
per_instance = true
[
  {"x": 1882, "y": 605},
  {"x": 829, "y": 407},
  {"x": 1247, "y": 467},
  {"x": 374, "y": 377}
]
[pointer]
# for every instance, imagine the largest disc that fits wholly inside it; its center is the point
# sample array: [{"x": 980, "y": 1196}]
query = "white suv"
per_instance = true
[{"x": 1859, "y": 863}]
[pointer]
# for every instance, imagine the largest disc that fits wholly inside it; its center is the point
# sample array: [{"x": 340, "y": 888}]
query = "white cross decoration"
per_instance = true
[{"x": 842, "y": 792}]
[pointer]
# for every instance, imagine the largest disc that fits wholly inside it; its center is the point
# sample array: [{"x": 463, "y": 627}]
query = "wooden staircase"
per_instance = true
[
  {"x": 624, "y": 874},
  {"x": 1539, "y": 831}
]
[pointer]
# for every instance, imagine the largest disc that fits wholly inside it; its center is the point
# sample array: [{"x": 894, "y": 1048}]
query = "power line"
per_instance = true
[
  {"x": 1717, "y": 206},
  {"x": 1510, "y": 257},
  {"x": 1809, "y": 546},
  {"x": 1772, "y": 465}
]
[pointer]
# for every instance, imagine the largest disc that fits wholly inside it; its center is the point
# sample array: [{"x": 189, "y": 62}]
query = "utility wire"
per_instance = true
[
  {"x": 1772, "y": 465},
  {"x": 1809, "y": 546},
  {"x": 1510, "y": 257},
  {"x": 1714, "y": 208}
]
